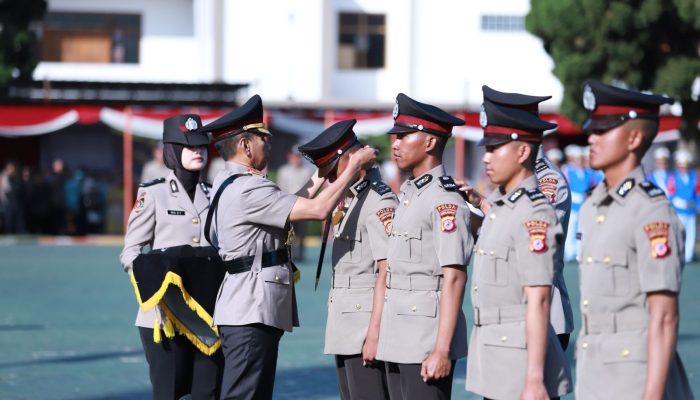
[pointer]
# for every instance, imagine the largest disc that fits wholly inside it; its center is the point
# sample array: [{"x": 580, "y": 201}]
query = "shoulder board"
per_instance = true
[
  {"x": 206, "y": 187},
  {"x": 516, "y": 195},
  {"x": 590, "y": 190},
  {"x": 151, "y": 183},
  {"x": 625, "y": 187},
  {"x": 535, "y": 194},
  {"x": 380, "y": 187},
  {"x": 651, "y": 190},
  {"x": 448, "y": 183},
  {"x": 423, "y": 180},
  {"x": 540, "y": 166}
]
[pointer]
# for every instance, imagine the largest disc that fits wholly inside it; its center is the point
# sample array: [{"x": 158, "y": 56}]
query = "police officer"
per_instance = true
[
  {"x": 552, "y": 184},
  {"x": 168, "y": 212},
  {"x": 250, "y": 219},
  {"x": 423, "y": 330},
  {"x": 513, "y": 350},
  {"x": 631, "y": 259},
  {"x": 361, "y": 226}
]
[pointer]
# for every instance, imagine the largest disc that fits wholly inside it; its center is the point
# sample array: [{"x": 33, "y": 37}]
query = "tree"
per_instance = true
[
  {"x": 18, "y": 55},
  {"x": 640, "y": 44}
]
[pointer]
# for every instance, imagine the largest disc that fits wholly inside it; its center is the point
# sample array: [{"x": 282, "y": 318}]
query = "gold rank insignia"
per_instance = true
[
  {"x": 337, "y": 216},
  {"x": 657, "y": 232},
  {"x": 538, "y": 235},
  {"x": 548, "y": 186},
  {"x": 386, "y": 217},
  {"x": 447, "y": 213}
]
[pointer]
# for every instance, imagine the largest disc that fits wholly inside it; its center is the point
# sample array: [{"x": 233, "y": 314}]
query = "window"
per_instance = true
[
  {"x": 91, "y": 38},
  {"x": 502, "y": 23},
  {"x": 361, "y": 41}
]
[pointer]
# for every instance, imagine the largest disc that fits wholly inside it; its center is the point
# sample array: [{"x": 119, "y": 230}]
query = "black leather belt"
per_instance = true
[{"x": 269, "y": 259}]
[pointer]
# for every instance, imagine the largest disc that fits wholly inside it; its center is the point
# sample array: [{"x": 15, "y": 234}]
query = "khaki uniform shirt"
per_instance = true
[
  {"x": 631, "y": 244},
  {"x": 361, "y": 239},
  {"x": 430, "y": 231},
  {"x": 552, "y": 183},
  {"x": 164, "y": 216},
  {"x": 517, "y": 245},
  {"x": 252, "y": 219}
]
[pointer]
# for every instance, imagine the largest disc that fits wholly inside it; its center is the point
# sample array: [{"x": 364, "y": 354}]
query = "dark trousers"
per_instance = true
[
  {"x": 177, "y": 368},
  {"x": 250, "y": 353},
  {"x": 564, "y": 340},
  {"x": 405, "y": 383},
  {"x": 357, "y": 382}
]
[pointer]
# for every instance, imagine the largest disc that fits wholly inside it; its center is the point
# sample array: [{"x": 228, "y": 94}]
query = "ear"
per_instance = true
[
  {"x": 523, "y": 152},
  {"x": 430, "y": 142},
  {"x": 635, "y": 139}
]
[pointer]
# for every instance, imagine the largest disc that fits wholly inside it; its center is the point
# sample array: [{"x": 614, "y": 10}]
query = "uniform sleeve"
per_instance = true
[
  {"x": 660, "y": 249},
  {"x": 265, "y": 204},
  {"x": 378, "y": 223},
  {"x": 536, "y": 241},
  {"x": 140, "y": 228},
  {"x": 451, "y": 231}
]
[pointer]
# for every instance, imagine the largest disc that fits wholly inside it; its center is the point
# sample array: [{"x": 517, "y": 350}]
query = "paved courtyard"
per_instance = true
[{"x": 66, "y": 329}]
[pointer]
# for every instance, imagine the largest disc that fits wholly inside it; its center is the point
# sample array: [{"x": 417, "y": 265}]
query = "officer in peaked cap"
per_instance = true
[
  {"x": 168, "y": 213},
  {"x": 514, "y": 268},
  {"x": 631, "y": 258},
  {"x": 250, "y": 219},
  {"x": 423, "y": 328},
  {"x": 552, "y": 183},
  {"x": 361, "y": 224}
]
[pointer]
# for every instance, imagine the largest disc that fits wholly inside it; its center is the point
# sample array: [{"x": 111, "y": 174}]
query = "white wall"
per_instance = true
[{"x": 171, "y": 48}]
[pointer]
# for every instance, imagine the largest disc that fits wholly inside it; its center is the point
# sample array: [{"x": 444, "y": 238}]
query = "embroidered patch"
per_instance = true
[
  {"x": 540, "y": 166},
  {"x": 386, "y": 217},
  {"x": 361, "y": 186},
  {"x": 176, "y": 212},
  {"x": 657, "y": 232},
  {"x": 548, "y": 186},
  {"x": 140, "y": 202},
  {"x": 380, "y": 188},
  {"x": 535, "y": 194},
  {"x": 625, "y": 187},
  {"x": 423, "y": 180},
  {"x": 515, "y": 196},
  {"x": 447, "y": 212},
  {"x": 173, "y": 186},
  {"x": 448, "y": 183},
  {"x": 538, "y": 235}
]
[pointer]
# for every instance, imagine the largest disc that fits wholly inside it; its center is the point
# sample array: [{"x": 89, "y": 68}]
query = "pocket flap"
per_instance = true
[
  {"x": 498, "y": 251},
  {"x": 278, "y": 274},
  {"x": 616, "y": 257},
  {"x": 352, "y": 235},
  {"x": 504, "y": 335},
  {"x": 625, "y": 348},
  {"x": 425, "y": 306},
  {"x": 414, "y": 232},
  {"x": 356, "y": 303}
]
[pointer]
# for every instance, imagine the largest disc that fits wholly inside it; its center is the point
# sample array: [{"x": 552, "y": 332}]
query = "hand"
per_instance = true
[
  {"x": 323, "y": 172},
  {"x": 472, "y": 196},
  {"x": 436, "y": 366},
  {"x": 369, "y": 351},
  {"x": 365, "y": 157},
  {"x": 534, "y": 391}
]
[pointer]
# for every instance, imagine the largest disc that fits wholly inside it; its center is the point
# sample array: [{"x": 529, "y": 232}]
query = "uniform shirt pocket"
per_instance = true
[
  {"x": 612, "y": 275},
  {"x": 423, "y": 305},
  {"x": 276, "y": 275},
  {"x": 356, "y": 303},
  {"x": 495, "y": 271},
  {"x": 348, "y": 247},
  {"x": 504, "y": 335},
  {"x": 625, "y": 348},
  {"x": 409, "y": 244}
]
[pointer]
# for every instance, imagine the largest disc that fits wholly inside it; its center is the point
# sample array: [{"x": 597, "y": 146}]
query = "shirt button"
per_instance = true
[
  {"x": 414, "y": 308},
  {"x": 606, "y": 260},
  {"x": 405, "y": 202},
  {"x": 585, "y": 302},
  {"x": 584, "y": 345},
  {"x": 491, "y": 253},
  {"x": 600, "y": 219},
  {"x": 195, "y": 240},
  {"x": 476, "y": 288},
  {"x": 277, "y": 278},
  {"x": 358, "y": 306},
  {"x": 347, "y": 237},
  {"x": 504, "y": 338},
  {"x": 589, "y": 260},
  {"x": 195, "y": 220},
  {"x": 492, "y": 216},
  {"x": 337, "y": 235},
  {"x": 625, "y": 353}
]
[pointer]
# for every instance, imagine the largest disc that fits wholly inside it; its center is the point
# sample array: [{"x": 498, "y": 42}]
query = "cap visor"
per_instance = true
[
  {"x": 493, "y": 140},
  {"x": 401, "y": 129},
  {"x": 602, "y": 124},
  {"x": 197, "y": 139}
]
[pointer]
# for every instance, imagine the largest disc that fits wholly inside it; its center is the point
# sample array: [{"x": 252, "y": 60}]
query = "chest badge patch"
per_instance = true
[
  {"x": 538, "y": 235},
  {"x": 140, "y": 203},
  {"x": 386, "y": 217},
  {"x": 548, "y": 186},
  {"x": 657, "y": 232},
  {"x": 448, "y": 214}
]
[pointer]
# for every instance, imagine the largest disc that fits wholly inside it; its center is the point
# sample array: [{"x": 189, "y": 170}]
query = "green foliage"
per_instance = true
[
  {"x": 18, "y": 56},
  {"x": 643, "y": 44}
]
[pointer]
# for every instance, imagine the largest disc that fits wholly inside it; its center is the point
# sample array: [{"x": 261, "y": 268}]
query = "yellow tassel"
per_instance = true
[
  {"x": 297, "y": 276},
  {"x": 156, "y": 331},
  {"x": 169, "y": 329}
]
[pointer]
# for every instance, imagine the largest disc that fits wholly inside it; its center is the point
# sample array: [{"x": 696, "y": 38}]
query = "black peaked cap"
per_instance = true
[
  {"x": 184, "y": 129},
  {"x": 523, "y": 101},
  {"x": 238, "y": 120},
  {"x": 411, "y": 115},
  {"x": 330, "y": 144}
]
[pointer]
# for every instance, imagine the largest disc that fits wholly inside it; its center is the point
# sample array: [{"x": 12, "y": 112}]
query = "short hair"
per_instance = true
[
  {"x": 227, "y": 147},
  {"x": 649, "y": 128},
  {"x": 534, "y": 151},
  {"x": 440, "y": 144}
]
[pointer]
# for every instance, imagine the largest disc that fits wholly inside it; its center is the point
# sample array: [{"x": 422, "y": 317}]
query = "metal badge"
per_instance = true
[
  {"x": 588, "y": 98},
  {"x": 483, "y": 119},
  {"x": 395, "y": 113},
  {"x": 191, "y": 124}
]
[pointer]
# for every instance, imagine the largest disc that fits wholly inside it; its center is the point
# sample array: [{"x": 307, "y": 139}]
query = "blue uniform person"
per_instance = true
[{"x": 684, "y": 190}]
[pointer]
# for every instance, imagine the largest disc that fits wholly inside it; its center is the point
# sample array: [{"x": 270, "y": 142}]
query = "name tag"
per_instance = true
[{"x": 176, "y": 212}]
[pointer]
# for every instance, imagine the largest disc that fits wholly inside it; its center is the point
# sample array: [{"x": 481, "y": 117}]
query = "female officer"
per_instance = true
[{"x": 168, "y": 213}]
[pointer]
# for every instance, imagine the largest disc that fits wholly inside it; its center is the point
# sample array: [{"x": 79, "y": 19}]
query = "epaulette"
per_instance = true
[
  {"x": 625, "y": 187},
  {"x": 151, "y": 183},
  {"x": 448, "y": 183},
  {"x": 651, "y": 189},
  {"x": 540, "y": 166},
  {"x": 380, "y": 187},
  {"x": 206, "y": 187},
  {"x": 516, "y": 195},
  {"x": 535, "y": 194}
]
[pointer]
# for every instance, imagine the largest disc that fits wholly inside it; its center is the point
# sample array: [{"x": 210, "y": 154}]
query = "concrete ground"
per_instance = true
[{"x": 66, "y": 329}]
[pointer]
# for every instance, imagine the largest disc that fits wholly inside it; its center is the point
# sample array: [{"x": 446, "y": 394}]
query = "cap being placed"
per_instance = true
[
  {"x": 330, "y": 144},
  {"x": 505, "y": 124},
  {"x": 411, "y": 116},
  {"x": 516, "y": 100},
  {"x": 246, "y": 118},
  {"x": 184, "y": 129},
  {"x": 611, "y": 106}
]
